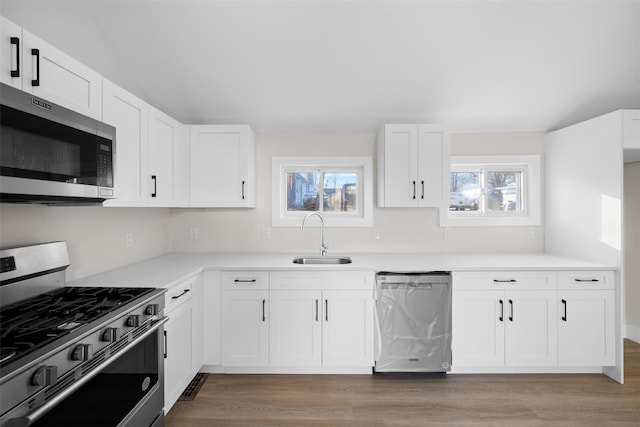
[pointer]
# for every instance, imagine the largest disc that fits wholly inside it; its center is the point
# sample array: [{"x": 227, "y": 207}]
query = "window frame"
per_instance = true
[
  {"x": 281, "y": 166},
  {"x": 529, "y": 165}
]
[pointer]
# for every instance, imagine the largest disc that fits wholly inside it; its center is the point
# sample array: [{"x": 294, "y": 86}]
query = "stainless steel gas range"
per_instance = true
[{"x": 76, "y": 356}]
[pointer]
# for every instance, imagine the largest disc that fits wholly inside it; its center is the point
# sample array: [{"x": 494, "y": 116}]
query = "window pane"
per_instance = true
[
  {"x": 465, "y": 191},
  {"x": 340, "y": 192},
  {"x": 504, "y": 191},
  {"x": 302, "y": 191}
]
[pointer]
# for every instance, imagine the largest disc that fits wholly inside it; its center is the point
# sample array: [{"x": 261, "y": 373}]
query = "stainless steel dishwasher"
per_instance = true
[{"x": 413, "y": 319}]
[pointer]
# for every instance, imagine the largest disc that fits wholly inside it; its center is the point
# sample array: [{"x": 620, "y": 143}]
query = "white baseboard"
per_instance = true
[{"x": 633, "y": 333}]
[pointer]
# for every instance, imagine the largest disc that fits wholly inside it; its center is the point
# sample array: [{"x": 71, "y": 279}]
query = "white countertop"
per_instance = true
[{"x": 167, "y": 270}]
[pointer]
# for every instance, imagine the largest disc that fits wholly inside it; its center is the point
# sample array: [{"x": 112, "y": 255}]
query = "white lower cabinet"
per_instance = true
[
  {"x": 245, "y": 319},
  {"x": 504, "y": 328},
  {"x": 321, "y": 319},
  {"x": 297, "y": 322},
  {"x": 183, "y": 338},
  {"x": 586, "y": 313},
  {"x": 533, "y": 319},
  {"x": 245, "y": 328}
]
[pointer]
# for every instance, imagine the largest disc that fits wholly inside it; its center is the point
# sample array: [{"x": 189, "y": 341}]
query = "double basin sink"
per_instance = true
[{"x": 322, "y": 260}]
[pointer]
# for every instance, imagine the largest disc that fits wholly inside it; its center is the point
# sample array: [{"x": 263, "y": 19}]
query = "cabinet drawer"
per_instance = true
[
  {"x": 323, "y": 280},
  {"x": 504, "y": 280},
  {"x": 586, "y": 280},
  {"x": 179, "y": 294},
  {"x": 245, "y": 280}
]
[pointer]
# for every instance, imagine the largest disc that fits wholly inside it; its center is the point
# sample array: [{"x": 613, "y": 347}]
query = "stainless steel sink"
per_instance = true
[{"x": 322, "y": 260}]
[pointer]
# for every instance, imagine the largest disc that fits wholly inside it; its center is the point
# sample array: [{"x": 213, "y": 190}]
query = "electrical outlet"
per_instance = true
[
  {"x": 266, "y": 233},
  {"x": 447, "y": 233},
  {"x": 377, "y": 233},
  {"x": 128, "y": 240},
  {"x": 531, "y": 233},
  {"x": 193, "y": 232}
]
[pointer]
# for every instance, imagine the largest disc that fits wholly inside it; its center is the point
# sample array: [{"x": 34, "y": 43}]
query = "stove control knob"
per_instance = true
[
  {"x": 133, "y": 321},
  {"x": 81, "y": 352},
  {"x": 152, "y": 309},
  {"x": 110, "y": 335},
  {"x": 45, "y": 375}
]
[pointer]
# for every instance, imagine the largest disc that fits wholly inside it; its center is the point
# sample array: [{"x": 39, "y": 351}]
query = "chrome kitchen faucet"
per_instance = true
[{"x": 323, "y": 247}]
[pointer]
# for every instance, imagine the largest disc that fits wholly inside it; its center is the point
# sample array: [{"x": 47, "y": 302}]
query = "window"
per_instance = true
[
  {"x": 493, "y": 190},
  {"x": 338, "y": 187}
]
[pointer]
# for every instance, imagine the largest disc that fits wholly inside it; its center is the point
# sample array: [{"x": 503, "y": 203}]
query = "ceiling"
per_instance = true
[{"x": 349, "y": 66}]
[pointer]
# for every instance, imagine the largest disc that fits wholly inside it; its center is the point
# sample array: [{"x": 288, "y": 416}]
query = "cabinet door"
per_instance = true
[
  {"x": 433, "y": 170},
  {"x": 178, "y": 369},
  {"x": 478, "y": 328},
  {"x": 586, "y": 328},
  {"x": 400, "y": 165},
  {"x": 347, "y": 335},
  {"x": 130, "y": 116},
  {"x": 56, "y": 77},
  {"x": 296, "y": 328},
  {"x": 164, "y": 142},
  {"x": 222, "y": 166},
  {"x": 530, "y": 328},
  {"x": 11, "y": 71},
  {"x": 245, "y": 328}
]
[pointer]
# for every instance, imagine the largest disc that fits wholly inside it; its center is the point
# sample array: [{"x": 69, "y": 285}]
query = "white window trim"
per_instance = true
[
  {"x": 532, "y": 191},
  {"x": 281, "y": 218}
]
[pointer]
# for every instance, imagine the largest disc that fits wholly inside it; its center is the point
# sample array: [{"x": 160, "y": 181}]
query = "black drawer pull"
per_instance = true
[
  {"x": 505, "y": 281},
  {"x": 586, "y": 280},
  {"x": 244, "y": 280},
  {"x": 179, "y": 296}
]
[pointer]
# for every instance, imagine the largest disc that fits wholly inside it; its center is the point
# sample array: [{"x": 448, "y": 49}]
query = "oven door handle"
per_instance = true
[{"x": 32, "y": 417}]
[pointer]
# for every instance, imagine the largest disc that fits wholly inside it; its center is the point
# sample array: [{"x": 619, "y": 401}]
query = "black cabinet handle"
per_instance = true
[
  {"x": 505, "y": 281},
  {"x": 264, "y": 317},
  {"x": 16, "y": 42},
  {"x": 154, "y": 178},
  {"x": 326, "y": 310},
  {"x": 244, "y": 280},
  {"x": 165, "y": 344},
  {"x": 422, "y": 196},
  {"x": 511, "y": 314},
  {"x": 501, "y": 318},
  {"x": 186, "y": 291},
  {"x": 414, "y": 190},
  {"x": 242, "y": 190},
  {"x": 36, "y": 53},
  {"x": 585, "y": 280},
  {"x": 564, "y": 302},
  {"x": 316, "y": 310}
]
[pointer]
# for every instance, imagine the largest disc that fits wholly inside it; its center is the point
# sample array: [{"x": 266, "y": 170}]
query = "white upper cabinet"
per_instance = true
[
  {"x": 413, "y": 166},
  {"x": 168, "y": 151},
  {"x": 152, "y": 153},
  {"x": 223, "y": 166},
  {"x": 11, "y": 53},
  {"x": 130, "y": 116},
  {"x": 33, "y": 65}
]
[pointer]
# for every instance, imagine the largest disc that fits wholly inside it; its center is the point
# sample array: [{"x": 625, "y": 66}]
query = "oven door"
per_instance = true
[{"x": 128, "y": 392}]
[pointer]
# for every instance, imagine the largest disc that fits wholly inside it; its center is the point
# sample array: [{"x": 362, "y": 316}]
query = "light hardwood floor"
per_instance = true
[{"x": 389, "y": 400}]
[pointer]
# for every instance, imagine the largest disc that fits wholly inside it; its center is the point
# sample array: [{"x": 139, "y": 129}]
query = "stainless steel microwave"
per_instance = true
[{"x": 49, "y": 154}]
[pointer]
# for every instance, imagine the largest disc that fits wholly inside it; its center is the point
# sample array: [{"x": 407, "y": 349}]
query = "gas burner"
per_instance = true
[{"x": 35, "y": 322}]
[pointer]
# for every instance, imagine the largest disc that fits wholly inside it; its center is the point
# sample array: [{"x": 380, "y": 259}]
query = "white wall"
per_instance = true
[
  {"x": 94, "y": 235},
  {"x": 632, "y": 249},
  {"x": 403, "y": 230}
]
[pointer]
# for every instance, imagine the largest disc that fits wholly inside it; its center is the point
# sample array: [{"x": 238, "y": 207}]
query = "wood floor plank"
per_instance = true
[{"x": 415, "y": 400}]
